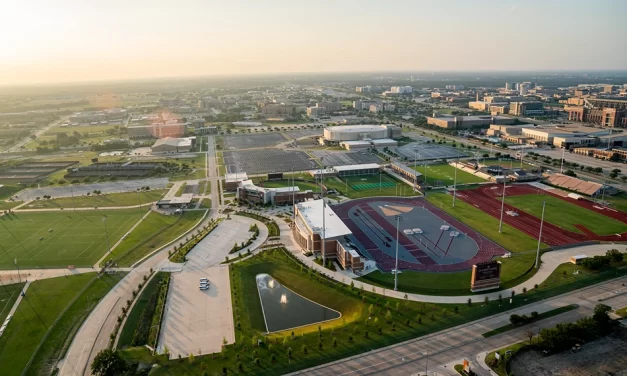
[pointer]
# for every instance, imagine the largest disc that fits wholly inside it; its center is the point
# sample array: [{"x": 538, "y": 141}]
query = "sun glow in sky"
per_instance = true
[{"x": 44, "y": 41}]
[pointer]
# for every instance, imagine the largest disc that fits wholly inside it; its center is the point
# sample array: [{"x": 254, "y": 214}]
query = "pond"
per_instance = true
[{"x": 284, "y": 309}]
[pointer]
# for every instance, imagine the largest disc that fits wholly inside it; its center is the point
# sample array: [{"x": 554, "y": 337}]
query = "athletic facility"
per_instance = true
[
  {"x": 59, "y": 239},
  {"x": 366, "y": 182},
  {"x": 429, "y": 239},
  {"x": 567, "y": 220}
]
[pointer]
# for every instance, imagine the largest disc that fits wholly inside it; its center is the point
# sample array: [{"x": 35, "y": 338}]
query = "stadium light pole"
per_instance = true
[
  {"x": 293, "y": 197},
  {"x": 324, "y": 229},
  {"x": 398, "y": 219},
  {"x": 104, "y": 220},
  {"x": 502, "y": 207},
  {"x": 562, "y": 165},
  {"x": 455, "y": 182},
  {"x": 72, "y": 193},
  {"x": 540, "y": 236}
]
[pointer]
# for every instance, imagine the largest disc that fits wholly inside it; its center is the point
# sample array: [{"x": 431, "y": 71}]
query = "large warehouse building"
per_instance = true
[
  {"x": 247, "y": 191},
  {"x": 337, "y": 134},
  {"x": 308, "y": 232},
  {"x": 466, "y": 122}
]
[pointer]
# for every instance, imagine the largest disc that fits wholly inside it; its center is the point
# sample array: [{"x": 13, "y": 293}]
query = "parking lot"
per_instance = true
[
  {"x": 197, "y": 320},
  {"x": 263, "y": 161},
  {"x": 303, "y": 133},
  {"x": 340, "y": 158},
  {"x": 251, "y": 140},
  {"x": 425, "y": 152}
]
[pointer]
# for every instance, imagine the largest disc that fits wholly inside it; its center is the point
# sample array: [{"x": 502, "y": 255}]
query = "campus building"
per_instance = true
[
  {"x": 170, "y": 145},
  {"x": 232, "y": 180},
  {"x": 157, "y": 130},
  {"x": 309, "y": 233},
  {"x": 348, "y": 170},
  {"x": 247, "y": 191},
  {"x": 465, "y": 122},
  {"x": 365, "y": 136},
  {"x": 604, "y": 112}
]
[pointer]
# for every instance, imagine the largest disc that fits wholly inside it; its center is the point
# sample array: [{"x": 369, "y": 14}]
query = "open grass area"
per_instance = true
[
  {"x": 500, "y": 367},
  {"x": 44, "y": 302},
  {"x": 443, "y": 174},
  {"x": 61, "y": 334},
  {"x": 141, "y": 314},
  {"x": 566, "y": 215},
  {"x": 619, "y": 201},
  {"x": 112, "y": 199},
  {"x": 7, "y": 191},
  {"x": 541, "y": 316},
  {"x": 6, "y": 205},
  {"x": 59, "y": 239},
  {"x": 181, "y": 189},
  {"x": 451, "y": 284},
  {"x": 8, "y": 296},
  {"x": 622, "y": 312},
  {"x": 153, "y": 232}
]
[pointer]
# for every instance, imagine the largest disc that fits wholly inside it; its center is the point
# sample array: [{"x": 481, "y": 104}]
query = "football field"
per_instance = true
[
  {"x": 444, "y": 174},
  {"x": 59, "y": 239}
]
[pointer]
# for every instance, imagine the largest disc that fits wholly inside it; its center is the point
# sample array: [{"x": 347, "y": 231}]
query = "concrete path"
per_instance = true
[
  {"x": 36, "y": 274},
  {"x": 196, "y": 321},
  {"x": 451, "y": 346},
  {"x": 17, "y": 210}
]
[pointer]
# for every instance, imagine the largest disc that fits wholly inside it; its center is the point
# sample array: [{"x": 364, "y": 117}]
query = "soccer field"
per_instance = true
[
  {"x": 566, "y": 215},
  {"x": 444, "y": 174},
  {"x": 59, "y": 239}
]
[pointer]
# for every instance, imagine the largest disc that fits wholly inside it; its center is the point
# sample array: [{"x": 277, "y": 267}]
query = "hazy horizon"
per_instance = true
[{"x": 70, "y": 41}]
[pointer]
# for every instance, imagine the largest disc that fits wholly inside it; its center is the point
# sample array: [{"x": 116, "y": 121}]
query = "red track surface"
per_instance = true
[
  {"x": 487, "y": 199},
  {"x": 487, "y": 248}
]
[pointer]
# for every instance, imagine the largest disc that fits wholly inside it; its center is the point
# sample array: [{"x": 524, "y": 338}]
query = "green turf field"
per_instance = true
[
  {"x": 153, "y": 232},
  {"x": 507, "y": 163},
  {"x": 566, "y": 215},
  {"x": 43, "y": 304},
  {"x": 368, "y": 186},
  {"x": 444, "y": 174},
  {"x": 59, "y": 239},
  {"x": 112, "y": 199},
  {"x": 8, "y": 296}
]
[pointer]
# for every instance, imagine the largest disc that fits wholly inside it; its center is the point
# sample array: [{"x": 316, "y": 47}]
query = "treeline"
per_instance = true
[{"x": 613, "y": 256}]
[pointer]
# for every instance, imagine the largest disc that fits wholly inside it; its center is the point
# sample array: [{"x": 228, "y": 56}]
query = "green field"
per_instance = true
[
  {"x": 566, "y": 215},
  {"x": 444, "y": 175},
  {"x": 368, "y": 186},
  {"x": 8, "y": 296},
  {"x": 451, "y": 284},
  {"x": 7, "y": 191},
  {"x": 619, "y": 201},
  {"x": 112, "y": 199},
  {"x": 36, "y": 314},
  {"x": 59, "y": 239},
  {"x": 509, "y": 163},
  {"x": 153, "y": 232}
]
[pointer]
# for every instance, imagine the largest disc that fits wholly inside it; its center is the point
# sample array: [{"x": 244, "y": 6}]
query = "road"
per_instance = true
[
  {"x": 93, "y": 336},
  {"x": 451, "y": 346},
  {"x": 17, "y": 147}
]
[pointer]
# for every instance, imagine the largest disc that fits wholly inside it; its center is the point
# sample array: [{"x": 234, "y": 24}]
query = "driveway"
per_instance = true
[{"x": 197, "y": 321}]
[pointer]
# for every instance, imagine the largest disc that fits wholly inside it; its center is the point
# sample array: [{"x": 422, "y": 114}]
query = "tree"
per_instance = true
[
  {"x": 570, "y": 173},
  {"x": 529, "y": 333},
  {"x": 191, "y": 358},
  {"x": 615, "y": 255},
  {"x": 108, "y": 363}
]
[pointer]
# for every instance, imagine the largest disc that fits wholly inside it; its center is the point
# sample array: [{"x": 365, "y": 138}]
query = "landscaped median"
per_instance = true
[
  {"x": 273, "y": 228},
  {"x": 521, "y": 320},
  {"x": 183, "y": 248}
]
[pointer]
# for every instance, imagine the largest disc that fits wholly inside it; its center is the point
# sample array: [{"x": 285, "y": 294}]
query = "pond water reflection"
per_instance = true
[{"x": 284, "y": 309}]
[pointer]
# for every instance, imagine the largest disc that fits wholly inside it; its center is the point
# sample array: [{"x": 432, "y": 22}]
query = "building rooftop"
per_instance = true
[
  {"x": 311, "y": 212},
  {"x": 235, "y": 177},
  {"x": 356, "y": 128},
  {"x": 355, "y": 167}
]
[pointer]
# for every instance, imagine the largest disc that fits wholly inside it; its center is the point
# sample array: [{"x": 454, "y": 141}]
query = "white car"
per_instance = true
[
  {"x": 204, "y": 280},
  {"x": 204, "y": 286}
]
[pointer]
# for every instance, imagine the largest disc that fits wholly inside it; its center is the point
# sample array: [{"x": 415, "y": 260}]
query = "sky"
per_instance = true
[{"x": 43, "y": 41}]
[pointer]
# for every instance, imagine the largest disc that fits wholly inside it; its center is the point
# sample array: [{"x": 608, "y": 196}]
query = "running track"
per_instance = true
[
  {"x": 487, "y": 199},
  {"x": 487, "y": 248}
]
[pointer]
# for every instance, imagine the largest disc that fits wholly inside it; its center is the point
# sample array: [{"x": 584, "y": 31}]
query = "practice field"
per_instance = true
[
  {"x": 112, "y": 199},
  {"x": 366, "y": 182},
  {"x": 429, "y": 239},
  {"x": 8, "y": 296},
  {"x": 444, "y": 174},
  {"x": 368, "y": 186},
  {"x": 566, "y": 215},
  {"x": 59, "y": 239}
]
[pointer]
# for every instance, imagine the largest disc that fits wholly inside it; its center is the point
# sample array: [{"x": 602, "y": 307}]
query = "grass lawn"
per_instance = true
[
  {"x": 112, "y": 199},
  {"x": 61, "y": 335},
  {"x": 541, "y": 316},
  {"x": 8, "y": 296},
  {"x": 622, "y": 312},
  {"x": 205, "y": 203},
  {"x": 566, "y": 215},
  {"x": 444, "y": 174},
  {"x": 507, "y": 163},
  {"x": 181, "y": 189},
  {"x": 128, "y": 331},
  {"x": 59, "y": 239},
  {"x": 500, "y": 367},
  {"x": 7, "y": 191},
  {"x": 450, "y": 284},
  {"x": 153, "y": 232},
  {"x": 44, "y": 302},
  {"x": 5, "y": 205}
]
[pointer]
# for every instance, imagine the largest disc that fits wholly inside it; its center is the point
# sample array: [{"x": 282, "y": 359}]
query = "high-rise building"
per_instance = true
[
  {"x": 526, "y": 108},
  {"x": 510, "y": 85},
  {"x": 523, "y": 88},
  {"x": 401, "y": 89}
]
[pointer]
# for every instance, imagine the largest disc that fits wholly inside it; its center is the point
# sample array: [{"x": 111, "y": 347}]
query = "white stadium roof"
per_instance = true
[{"x": 311, "y": 212}]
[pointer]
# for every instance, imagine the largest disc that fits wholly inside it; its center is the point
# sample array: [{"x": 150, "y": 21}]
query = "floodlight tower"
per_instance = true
[{"x": 398, "y": 220}]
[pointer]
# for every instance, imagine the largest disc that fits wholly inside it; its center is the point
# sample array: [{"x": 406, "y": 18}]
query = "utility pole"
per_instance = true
[
  {"x": 562, "y": 165},
  {"x": 455, "y": 182},
  {"x": 398, "y": 219},
  {"x": 324, "y": 227},
  {"x": 72, "y": 193},
  {"x": 540, "y": 236},
  {"x": 502, "y": 207},
  {"x": 293, "y": 198}
]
